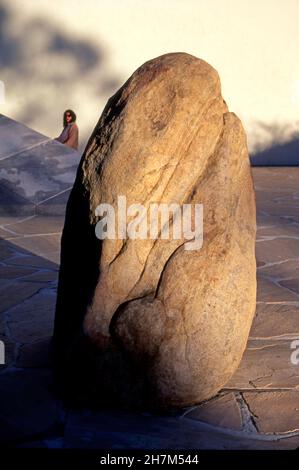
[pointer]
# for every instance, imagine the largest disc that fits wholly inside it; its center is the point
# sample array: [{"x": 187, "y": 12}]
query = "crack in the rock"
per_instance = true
[{"x": 165, "y": 266}]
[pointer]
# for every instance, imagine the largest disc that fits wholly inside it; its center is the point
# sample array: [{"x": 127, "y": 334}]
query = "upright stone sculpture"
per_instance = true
[{"x": 147, "y": 319}]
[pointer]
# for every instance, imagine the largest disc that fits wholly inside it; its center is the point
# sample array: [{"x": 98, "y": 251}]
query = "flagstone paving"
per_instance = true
[{"x": 257, "y": 409}]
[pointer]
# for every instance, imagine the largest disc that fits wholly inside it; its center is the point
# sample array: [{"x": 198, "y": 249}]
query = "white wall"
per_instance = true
[{"x": 62, "y": 53}]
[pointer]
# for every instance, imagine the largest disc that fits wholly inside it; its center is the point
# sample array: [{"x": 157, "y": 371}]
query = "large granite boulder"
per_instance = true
[{"x": 152, "y": 318}]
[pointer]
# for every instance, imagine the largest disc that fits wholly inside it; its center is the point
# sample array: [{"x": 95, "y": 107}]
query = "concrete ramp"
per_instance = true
[{"x": 36, "y": 172}]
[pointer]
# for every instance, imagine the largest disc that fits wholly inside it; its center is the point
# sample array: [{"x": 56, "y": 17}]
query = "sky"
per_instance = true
[{"x": 75, "y": 54}]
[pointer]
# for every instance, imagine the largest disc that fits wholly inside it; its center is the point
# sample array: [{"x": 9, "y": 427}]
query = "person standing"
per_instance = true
[{"x": 70, "y": 134}]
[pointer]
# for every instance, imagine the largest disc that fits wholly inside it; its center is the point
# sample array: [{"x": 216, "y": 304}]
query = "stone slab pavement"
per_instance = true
[{"x": 258, "y": 408}]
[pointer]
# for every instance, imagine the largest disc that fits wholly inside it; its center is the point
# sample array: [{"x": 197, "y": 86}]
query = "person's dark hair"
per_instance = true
[{"x": 71, "y": 112}]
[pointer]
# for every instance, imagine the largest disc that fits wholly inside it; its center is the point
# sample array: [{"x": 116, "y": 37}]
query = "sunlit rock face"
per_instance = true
[{"x": 159, "y": 320}]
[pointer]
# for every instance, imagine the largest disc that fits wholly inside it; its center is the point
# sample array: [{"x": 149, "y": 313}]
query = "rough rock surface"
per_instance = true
[{"x": 138, "y": 318}]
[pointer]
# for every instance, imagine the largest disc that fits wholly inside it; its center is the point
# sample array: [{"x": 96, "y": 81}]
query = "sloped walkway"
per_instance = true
[
  {"x": 258, "y": 409},
  {"x": 36, "y": 172}
]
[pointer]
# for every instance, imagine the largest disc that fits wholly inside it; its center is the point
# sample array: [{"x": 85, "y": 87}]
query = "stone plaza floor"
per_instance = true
[{"x": 258, "y": 408}]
